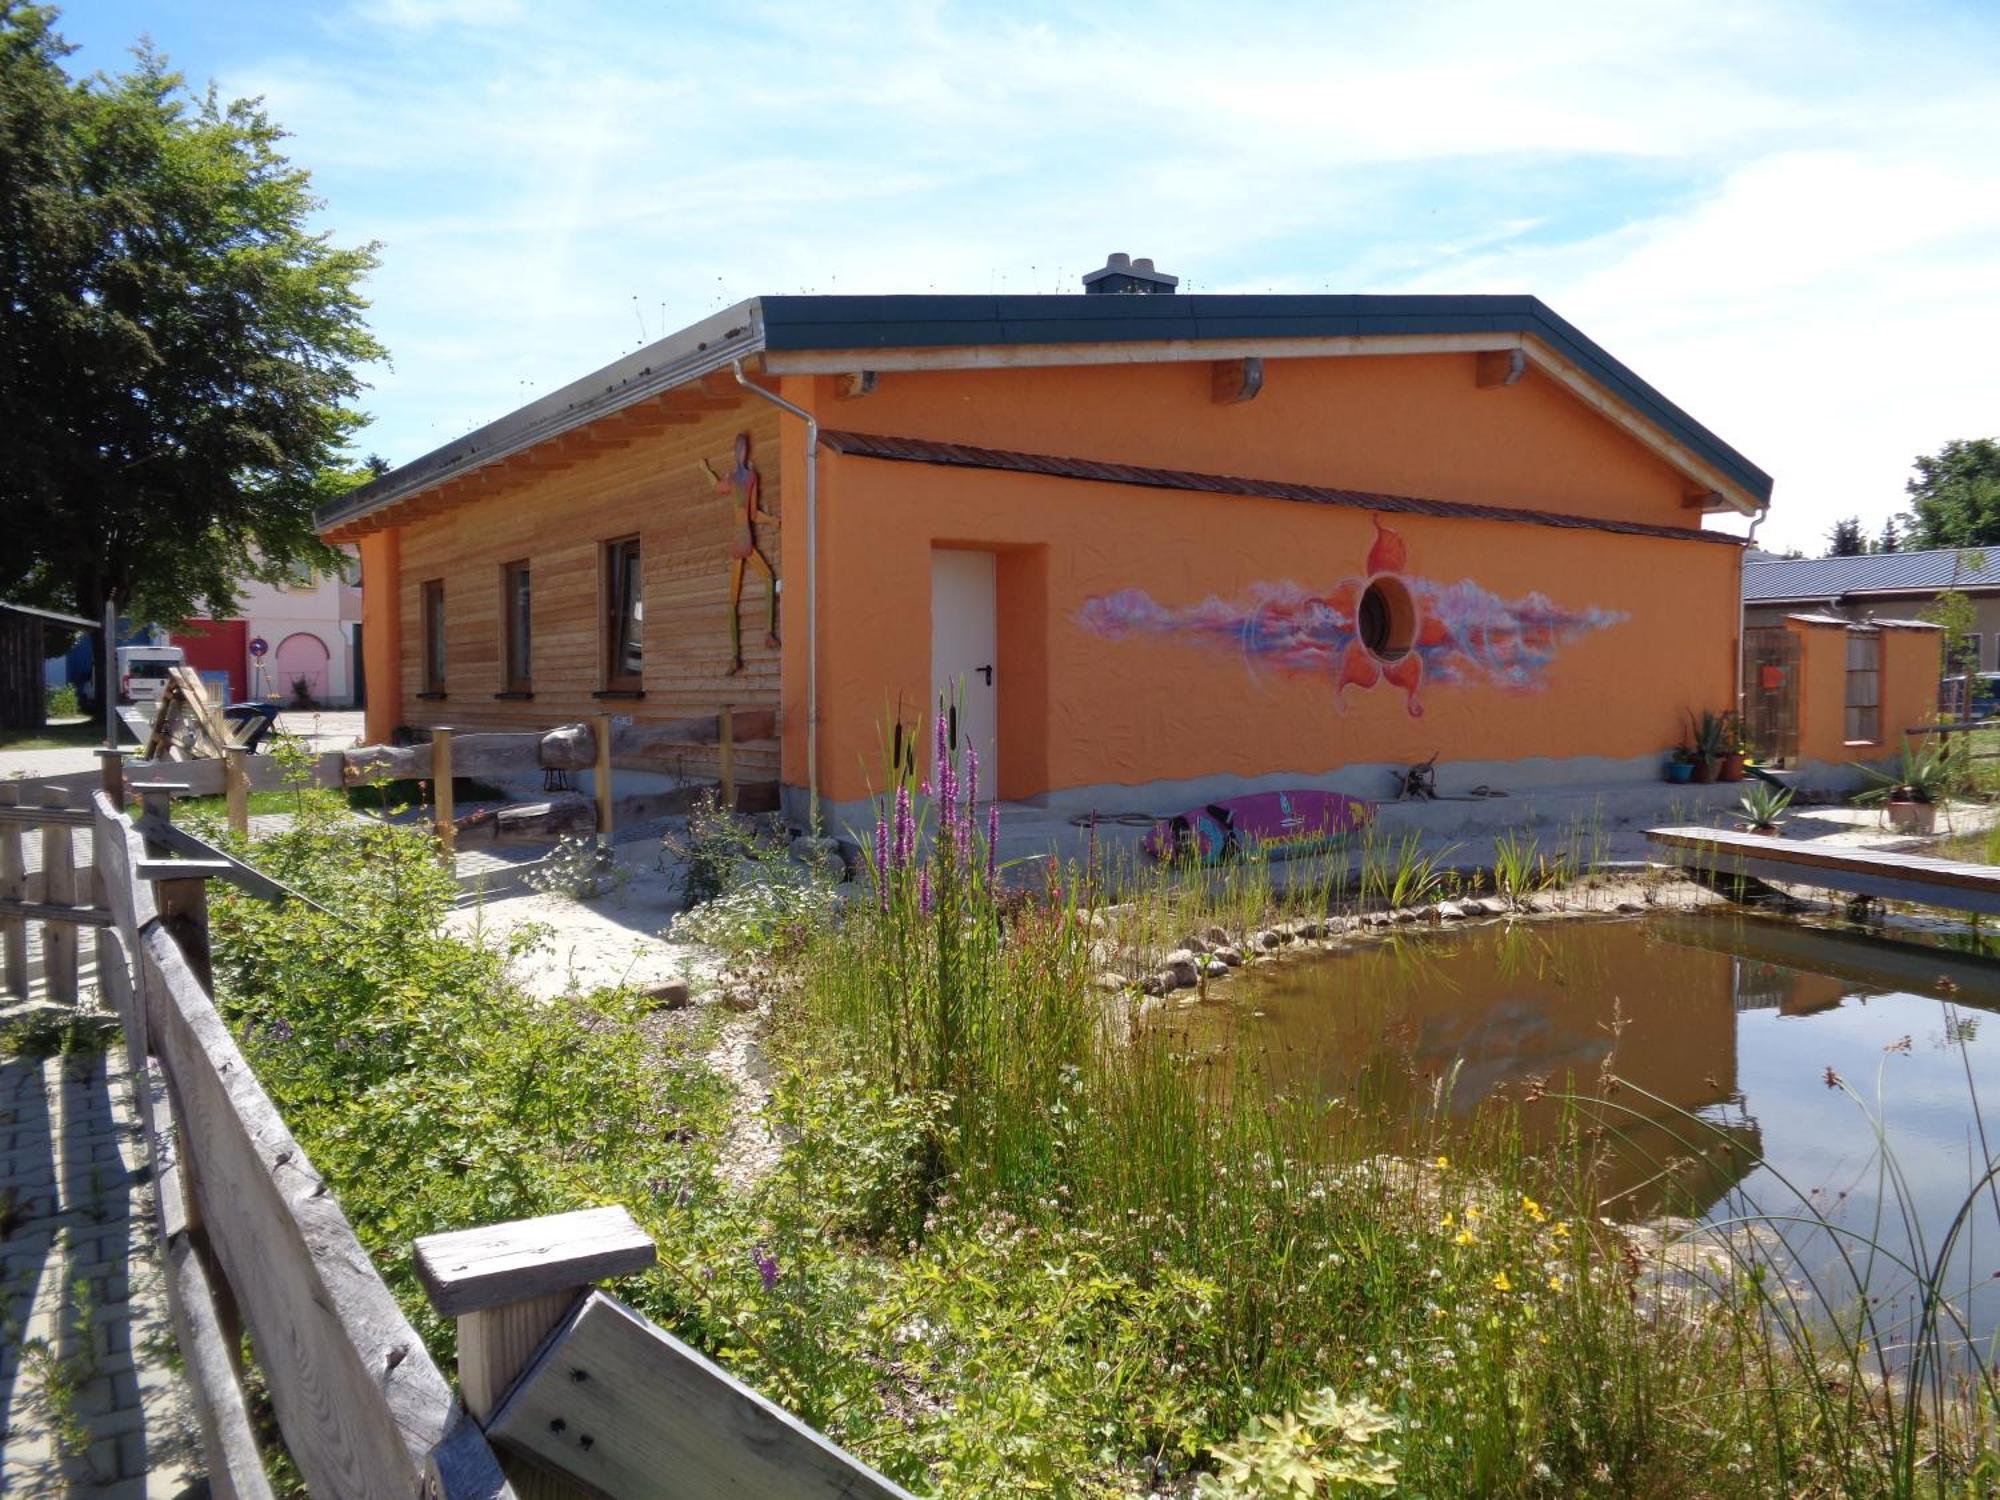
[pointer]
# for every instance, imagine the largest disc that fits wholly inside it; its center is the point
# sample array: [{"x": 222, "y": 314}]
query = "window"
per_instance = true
[
  {"x": 517, "y": 621},
  {"x": 434, "y": 635},
  {"x": 1386, "y": 619},
  {"x": 1864, "y": 687},
  {"x": 624, "y": 616}
]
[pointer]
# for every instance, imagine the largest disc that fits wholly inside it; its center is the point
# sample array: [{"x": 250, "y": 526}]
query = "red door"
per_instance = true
[{"x": 217, "y": 646}]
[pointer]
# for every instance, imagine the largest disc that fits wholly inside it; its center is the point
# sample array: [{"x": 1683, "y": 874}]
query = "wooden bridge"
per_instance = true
[{"x": 1916, "y": 878}]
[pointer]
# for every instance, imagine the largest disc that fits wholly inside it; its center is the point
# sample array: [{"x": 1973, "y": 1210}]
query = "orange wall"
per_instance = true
[
  {"x": 1396, "y": 424},
  {"x": 1142, "y": 709},
  {"x": 381, "y": 631},
  {"x": 1908, "y": 689}
]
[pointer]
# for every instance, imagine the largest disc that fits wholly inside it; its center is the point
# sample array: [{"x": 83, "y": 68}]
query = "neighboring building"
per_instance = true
[
  {"x": 1888, "y": 585},
  {"x": 310, "y": 632},
  {"x": 24, "y": 658},
  {"x": 1162, "y": 548}
]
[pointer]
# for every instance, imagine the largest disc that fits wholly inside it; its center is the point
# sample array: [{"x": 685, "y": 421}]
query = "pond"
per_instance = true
[{"x": 1716, "y": 1050}]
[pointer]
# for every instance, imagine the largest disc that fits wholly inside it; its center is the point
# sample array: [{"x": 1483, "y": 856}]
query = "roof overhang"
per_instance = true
[{"x": 844, "y": 334}]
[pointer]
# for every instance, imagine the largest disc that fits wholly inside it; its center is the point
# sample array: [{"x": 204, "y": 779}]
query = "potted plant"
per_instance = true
[
  {"x": 1909, "y": 794},
  {"x": 1734, "y": 748},
  {"x": 1707, "y": 734},
  {"x": 1765, "y": 808},
  {"x": 1680, "y": 765}
]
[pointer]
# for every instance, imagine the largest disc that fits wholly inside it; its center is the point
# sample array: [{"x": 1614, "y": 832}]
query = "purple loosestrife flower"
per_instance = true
[
  {"x": 767, "y": 1267},
  {"x": 906, "y": 830},
  {"x": 992, "y": 840},
  {"x": 882, "y": 860},
  {"x": 971, "y": 799},
  {"x": 924, "y": 890}
]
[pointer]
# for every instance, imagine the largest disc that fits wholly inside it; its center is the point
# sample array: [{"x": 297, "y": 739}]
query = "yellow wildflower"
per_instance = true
[
  {"x": 1555, "y": 1283},
  {"x": 1444, "y": 1163},
  {"x": 1560, "y": 1229},
  {"x": 1465, "y": 1237},
  {"x": 1472, "y": 1214},
  {"x": 1502, "y": 1284},
  {"x": 1447, "y": 1221},
  {"x": 1532, "y": 1209}
]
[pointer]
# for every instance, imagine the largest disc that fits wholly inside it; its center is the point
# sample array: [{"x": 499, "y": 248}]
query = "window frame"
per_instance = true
[
  {"x": 434, "y": 660},
  {"x": 622, "y": 628},
  {"x": 1862, "y": 716},
  {"x": 517, "y": 627}
]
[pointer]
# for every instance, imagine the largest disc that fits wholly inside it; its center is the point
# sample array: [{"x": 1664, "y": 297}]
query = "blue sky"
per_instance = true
[{"x": 1785, "y": 216}]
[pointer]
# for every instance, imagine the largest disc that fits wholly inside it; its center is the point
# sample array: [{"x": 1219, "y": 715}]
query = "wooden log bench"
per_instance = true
[{"x": 1917, "y": 878}]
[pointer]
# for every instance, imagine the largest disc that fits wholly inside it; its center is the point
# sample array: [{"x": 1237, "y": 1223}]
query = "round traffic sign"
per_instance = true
[{"x": 258, "y": 645}]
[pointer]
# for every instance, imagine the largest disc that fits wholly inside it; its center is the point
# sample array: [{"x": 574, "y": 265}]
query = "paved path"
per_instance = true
[
  {"x": 88, "y": 1397},
  {"x": 330, "y": 729}
]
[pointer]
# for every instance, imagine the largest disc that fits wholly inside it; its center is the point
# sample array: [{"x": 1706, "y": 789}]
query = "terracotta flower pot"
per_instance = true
[
  {"x": 1731, "y": 768},
  {"x": 1912, "y": 817},
  {"x": 1705, "y": 768}
]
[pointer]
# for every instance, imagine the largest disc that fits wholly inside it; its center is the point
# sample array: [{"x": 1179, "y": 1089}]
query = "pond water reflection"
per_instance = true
[{"x": 1709, "y": 1038}]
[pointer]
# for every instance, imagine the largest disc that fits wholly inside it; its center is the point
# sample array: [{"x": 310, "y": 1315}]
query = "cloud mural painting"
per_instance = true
[{"x": 1385, "y": 627}]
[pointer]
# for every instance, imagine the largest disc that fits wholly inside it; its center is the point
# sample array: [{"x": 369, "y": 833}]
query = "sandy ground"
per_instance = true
[
  {"x": 611, "y": 940},
  {"x": 325, "y": 730}
]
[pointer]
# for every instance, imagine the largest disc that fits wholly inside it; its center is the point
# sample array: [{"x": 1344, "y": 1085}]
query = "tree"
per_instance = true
[
  {"x": 1955, "y": 496},
  {"x": 1845, "y": 539},
  {"x": 1889, "y": 541},
  {"x": 178, "y": 349}
]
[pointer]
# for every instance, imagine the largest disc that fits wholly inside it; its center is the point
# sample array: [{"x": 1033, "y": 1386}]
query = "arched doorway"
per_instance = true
[{"x": 302, "y": 660}]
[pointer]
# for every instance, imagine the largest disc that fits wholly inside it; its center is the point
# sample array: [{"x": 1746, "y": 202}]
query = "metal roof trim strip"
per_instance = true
[{"x": 964, "y": 456}]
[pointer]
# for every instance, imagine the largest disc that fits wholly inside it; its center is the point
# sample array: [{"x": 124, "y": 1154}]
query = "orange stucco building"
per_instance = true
[{"x": 1154, "y": 547}]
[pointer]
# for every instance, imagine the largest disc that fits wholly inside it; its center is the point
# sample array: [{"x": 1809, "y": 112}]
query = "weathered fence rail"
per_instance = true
[{"x": 565, "y": 1391}]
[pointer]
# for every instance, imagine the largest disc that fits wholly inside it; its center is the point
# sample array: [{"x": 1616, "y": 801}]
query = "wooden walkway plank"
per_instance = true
[
  {"x": 59, "y": 944},
  {"x": 13, "y": 888},
  {"x": 1919, "y": 878}
]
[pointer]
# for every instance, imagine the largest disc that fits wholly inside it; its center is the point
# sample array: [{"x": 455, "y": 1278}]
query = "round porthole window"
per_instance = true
[{"x": 1387, "y": 618}]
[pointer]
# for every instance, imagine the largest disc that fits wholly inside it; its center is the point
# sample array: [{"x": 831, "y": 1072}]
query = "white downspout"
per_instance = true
[{"x": 812, "y": 585}]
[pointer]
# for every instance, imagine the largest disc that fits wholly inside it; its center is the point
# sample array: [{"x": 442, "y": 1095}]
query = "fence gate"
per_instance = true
[{"x": 1771, "y": 691}]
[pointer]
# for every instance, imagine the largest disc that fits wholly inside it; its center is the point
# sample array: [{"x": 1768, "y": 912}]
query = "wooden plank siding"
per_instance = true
[{"x": 656, "y": 490}]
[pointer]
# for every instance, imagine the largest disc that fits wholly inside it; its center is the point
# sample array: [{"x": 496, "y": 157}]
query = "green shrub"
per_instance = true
[{"x": 62, "y": 702}]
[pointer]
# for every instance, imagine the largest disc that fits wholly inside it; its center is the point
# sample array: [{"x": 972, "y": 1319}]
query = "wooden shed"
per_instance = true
[{"x": 24, "y": 635}]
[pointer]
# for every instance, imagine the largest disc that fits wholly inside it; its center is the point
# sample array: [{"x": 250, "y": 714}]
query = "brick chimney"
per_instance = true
[{"x": 1121, "y": 273}]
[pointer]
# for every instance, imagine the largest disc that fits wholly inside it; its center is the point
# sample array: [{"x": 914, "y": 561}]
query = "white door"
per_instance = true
[{"x": 964, "y": 638}]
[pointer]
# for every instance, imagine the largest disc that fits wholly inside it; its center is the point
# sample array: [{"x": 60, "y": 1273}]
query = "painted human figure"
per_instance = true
[{"x": 744, "y": 490}]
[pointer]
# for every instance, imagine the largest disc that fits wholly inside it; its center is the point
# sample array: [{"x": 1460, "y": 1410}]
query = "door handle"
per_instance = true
[{"x": 987, "y": 672}]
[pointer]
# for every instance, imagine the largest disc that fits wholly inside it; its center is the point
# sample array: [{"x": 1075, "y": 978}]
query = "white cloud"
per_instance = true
[{"x": 1782, "y": 213}]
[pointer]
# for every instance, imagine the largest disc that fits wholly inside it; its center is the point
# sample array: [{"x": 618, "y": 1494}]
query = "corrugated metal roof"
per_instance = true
[
  {"x": 964, "y": 456},
  {"x": 1819, "y": 578},
  {"x": 838, "y": 323}
]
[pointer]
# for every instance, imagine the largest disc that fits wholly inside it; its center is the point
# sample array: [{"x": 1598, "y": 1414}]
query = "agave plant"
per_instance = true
[
  {"x": 1766, "y": 806},
  {"x": 1923, "y": 775}
]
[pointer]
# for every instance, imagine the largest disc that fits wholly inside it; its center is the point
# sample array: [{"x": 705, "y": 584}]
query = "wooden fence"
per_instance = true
[{"x": 563, "y": 1390}]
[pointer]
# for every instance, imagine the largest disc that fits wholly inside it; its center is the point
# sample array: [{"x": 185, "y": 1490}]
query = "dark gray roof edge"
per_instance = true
[
  {"x": 51, "y": 614},
  {"x": 688, "y": 354},
  {"x": 801, "y": 323}
]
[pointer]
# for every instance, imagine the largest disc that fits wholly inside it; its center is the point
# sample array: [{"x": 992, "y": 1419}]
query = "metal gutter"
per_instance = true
[{"x": 703, "y": 348}]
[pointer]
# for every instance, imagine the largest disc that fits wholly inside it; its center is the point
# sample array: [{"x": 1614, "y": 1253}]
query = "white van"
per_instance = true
[{"x": 142, "y": 671}]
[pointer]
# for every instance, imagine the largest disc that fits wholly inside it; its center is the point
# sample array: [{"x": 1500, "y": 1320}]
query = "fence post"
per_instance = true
[
  {"x": 508, "y": 1285},
  {"x": 59, "y": 944},
  {"x": 183, "y": 902},
  {"x": 725, "y": 753},
  {"x": 13, "y": 887},
  {"x": 236, "y": 786},
  {"x": 111, "y": 775},
  {"x": 441, "y": 778},
  {"x": 601, "y": 778}
]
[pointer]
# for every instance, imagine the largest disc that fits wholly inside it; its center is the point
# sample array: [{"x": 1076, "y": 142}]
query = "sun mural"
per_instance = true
[{"x": 1386, "y": 626}]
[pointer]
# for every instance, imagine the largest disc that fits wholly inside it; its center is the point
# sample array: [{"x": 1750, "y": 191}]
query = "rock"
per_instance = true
[
  {"x": 573, "y": 747},
  {"x": 1267, "y": 940},
  {"x": 1194, "y": 944},
  {"x": 1450, "y": 911},
  {"x": 1182, "y": 971},
  {"x": 1215, "y": 968},
  {"x": 1183, "y": 956},
  {"x": 1154, "y": 984},
  {"x": 669, "y": 994},
  {"x": 1217, "y": 937},
  {"x": 1175, "y": 979},
  {"x": 1493, "y": 906},
  {"x": 1377, "y": 919},
  {"x": 1306, "y": 929},
  {"x": 824, "y": 855},
  {"x": 737, "y": 1000},
  {"x": 1630, "y": 907},
  {"x": 1109, "y": 982},
  {"x": 1228, "y": 957},
  {"x": 1403, "y": 914},
  {"x": 1542, "y": 901}
]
